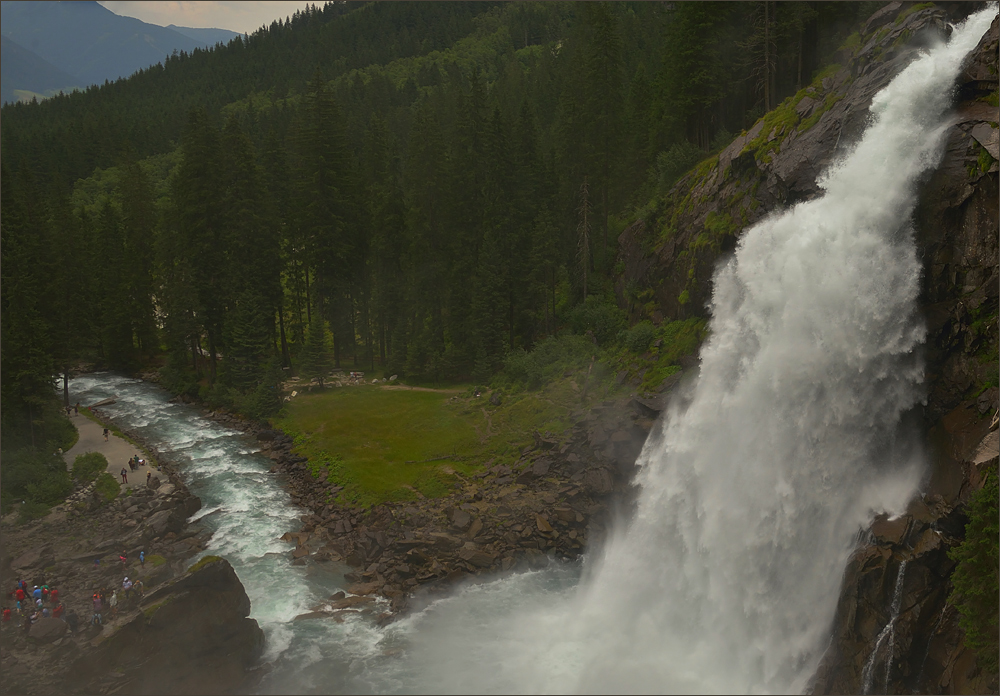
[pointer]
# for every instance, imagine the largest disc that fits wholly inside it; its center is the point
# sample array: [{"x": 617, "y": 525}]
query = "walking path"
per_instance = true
[{"x": 117, "y": 451}]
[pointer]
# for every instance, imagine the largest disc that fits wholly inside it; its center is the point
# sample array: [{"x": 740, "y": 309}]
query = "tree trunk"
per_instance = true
[
  {"x": 66, "y": 386},
  {"x": 212, "y": 364},
  {"x": 286, "y": 356}
]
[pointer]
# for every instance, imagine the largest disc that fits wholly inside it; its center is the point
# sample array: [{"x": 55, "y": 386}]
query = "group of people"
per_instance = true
[
  {"x": 35, "y": 602},
  {"x": 133, "y": 464},
  {"x": 39, "y": 602},
  {"x": 109, "y": 600}
]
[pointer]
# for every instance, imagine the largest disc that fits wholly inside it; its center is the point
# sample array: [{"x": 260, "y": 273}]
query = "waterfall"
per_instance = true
[
  {"x": 756, "y": 481},
  {"x": 868, "y": 673}
]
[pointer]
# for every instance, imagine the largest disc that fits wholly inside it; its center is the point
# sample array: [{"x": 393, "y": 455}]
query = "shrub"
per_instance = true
[
  {"x": 34, "y": 475},
  {"x": 86, "y": 467},
  {"x": 638, "y": 338},
  {"x": 975, "y": 586},
  {"x": 31, "y": 510},
  {"x": 602, "y": 318},
  {"x": 547, "y": 360},
  {"x": 107, "y": 487}
]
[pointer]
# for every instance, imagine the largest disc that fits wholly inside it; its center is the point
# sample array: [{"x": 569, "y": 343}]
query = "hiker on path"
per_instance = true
[
  {"x": 54, "y": 596},
  {"x": 124, "y": 475},
  {"x": 114, "y": 604},
  {"x": 142, "y": 559},
  {"x": 96, "y": 620},
  {"x": 149, "y": 475},
  {"x": 106, "y": 431},
  {"x": 76, "y": 409}
]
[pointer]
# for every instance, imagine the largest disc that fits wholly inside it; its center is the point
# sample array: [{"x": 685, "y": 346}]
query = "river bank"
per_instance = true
[{"x": 76, "y": 549}]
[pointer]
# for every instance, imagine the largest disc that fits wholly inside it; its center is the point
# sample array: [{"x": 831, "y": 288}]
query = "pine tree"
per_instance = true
[{"x": 314, "y": 359}]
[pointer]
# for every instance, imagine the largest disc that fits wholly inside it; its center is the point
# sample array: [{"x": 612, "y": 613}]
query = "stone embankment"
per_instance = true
[{"x": 192, "y": 617}]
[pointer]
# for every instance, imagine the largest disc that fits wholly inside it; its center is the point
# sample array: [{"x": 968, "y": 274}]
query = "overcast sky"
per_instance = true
[{"x": 243, "y": 17}]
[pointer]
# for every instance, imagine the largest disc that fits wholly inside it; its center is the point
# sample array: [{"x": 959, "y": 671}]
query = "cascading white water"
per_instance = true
[
  {"x": 889, "y": 631},
  {"x": 727, "y": 579}
]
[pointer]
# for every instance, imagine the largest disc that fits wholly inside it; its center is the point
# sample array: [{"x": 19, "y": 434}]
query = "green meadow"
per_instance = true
[{"x": 392, "y": 444}]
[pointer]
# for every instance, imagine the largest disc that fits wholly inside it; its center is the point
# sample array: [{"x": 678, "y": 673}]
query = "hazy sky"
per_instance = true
[{"x": 243, "y": 17}]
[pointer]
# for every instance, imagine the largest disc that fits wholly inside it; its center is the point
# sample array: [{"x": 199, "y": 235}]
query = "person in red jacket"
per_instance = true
[
  {"x": 54, "y": 596},
  {"x": 6, "y": 614},
  {"x": 19, "y": 594},
  {"x": 58, "y": 611}
]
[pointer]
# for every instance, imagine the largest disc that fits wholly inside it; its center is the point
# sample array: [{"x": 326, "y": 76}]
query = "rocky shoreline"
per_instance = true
[{"x": 196, "y": 616}]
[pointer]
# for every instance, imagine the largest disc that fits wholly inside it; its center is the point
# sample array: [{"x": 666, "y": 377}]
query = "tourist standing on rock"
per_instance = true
[
  {"x": 127, "y": 586},
  {"x": 124, "y": 475},
  {"x": 72, "y": 620},
  {"x": 142, "y": 559},
  {"x": 97, "y": 610},
  {"x": 149, "y": 475},
  {"x": 58, "y": 611},
  {"x": 123, "y": 557},
  {"x": 114, "y": 605},
  {"x": 54, "y": 596},
  {"x": 19, "y": 595},
  {"x": 6, "y": 614}
]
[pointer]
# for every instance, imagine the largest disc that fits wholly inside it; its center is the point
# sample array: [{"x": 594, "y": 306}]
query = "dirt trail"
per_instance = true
[
  {"x": 117, "y": 451},
  {"x": 402, "y": 387}
]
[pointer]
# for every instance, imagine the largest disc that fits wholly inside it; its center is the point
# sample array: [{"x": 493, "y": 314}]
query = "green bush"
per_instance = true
[
  {"x": 108, "y": 487},
  {"x": 34, "y": 475},
  {"x": 604, "y": 319},
  {"x": 546, "y": 361},
  {"x": 638, "y": 338},
  {"x": 31, "y": 510},
  {"x": 975, "y": 587},
  {"x": 87, "y": 466}
]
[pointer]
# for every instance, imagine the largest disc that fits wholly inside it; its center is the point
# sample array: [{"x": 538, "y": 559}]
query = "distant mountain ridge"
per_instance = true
[
  {"x": 24, "y": 71},
  {"x": 206, "y": 37},
  {"x": 87, "y": 42}
]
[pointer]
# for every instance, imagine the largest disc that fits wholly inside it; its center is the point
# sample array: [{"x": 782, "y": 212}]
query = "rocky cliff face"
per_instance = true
[{"x": 896, "y": 584}]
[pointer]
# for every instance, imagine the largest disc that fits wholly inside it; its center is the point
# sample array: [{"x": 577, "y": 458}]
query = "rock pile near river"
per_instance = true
[{"x": 195, "y": 618}]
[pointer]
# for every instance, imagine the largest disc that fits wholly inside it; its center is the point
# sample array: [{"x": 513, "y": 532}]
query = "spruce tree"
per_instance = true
[{"x": 314, "y": 359}]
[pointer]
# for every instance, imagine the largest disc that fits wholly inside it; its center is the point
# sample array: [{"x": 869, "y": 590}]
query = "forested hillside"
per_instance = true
[{"x": 417, "y": 187}]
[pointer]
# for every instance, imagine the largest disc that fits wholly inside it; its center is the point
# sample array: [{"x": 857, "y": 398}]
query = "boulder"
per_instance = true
[
  {"x": 198, "y": 620},
  {"x": 48, "y": 629},
  {"x": 461, "y": 519}
]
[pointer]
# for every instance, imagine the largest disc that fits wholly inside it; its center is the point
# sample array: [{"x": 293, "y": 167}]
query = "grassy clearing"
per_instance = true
[{"x": 391, "y": 445}]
